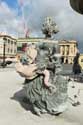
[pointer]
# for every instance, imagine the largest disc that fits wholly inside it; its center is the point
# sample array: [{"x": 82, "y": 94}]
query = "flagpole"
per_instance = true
[
  {"x": 23, "y": 19},
  {"x": 24, "y": 22},
  {"x": 20, "y": 2},
  {"x": 18, "y": 15}
]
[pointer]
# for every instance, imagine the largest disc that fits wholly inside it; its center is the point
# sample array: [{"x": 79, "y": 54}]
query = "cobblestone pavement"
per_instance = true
[{"x": 13, "y": 111}]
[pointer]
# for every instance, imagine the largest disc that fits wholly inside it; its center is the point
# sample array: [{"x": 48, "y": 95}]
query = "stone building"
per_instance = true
[
  {"x": 68, "y": 50},
  {"x": 8, "y": 45},
  {"x": 23, "y": 41},
  {"x": 81, "y": 60}
]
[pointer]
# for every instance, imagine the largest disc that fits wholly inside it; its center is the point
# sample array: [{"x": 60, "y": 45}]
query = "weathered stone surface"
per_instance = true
[{"x": 42, "y": 98}]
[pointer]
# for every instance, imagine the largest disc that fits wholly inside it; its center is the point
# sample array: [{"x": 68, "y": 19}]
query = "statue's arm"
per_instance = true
[{"x": 27, "y": 71}]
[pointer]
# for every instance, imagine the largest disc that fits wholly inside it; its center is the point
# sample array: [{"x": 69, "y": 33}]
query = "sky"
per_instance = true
[{"x": 17, "y": 14}]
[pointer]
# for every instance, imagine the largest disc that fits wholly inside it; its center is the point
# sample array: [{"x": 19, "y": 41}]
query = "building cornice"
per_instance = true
[
  {"x": 67, "y": 42},
  {"x": 1, "y": 36}
]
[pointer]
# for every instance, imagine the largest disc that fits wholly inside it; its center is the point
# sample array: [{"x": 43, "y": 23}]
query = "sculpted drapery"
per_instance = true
[{"x": 43, "y": 98}]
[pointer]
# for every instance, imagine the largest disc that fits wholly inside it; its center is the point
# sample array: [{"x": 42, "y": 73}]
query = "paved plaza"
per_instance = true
[{"x": 14, "y": 111}]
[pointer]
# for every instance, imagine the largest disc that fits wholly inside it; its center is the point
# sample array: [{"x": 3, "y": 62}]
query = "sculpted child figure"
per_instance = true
[{"x": 29, "y": 59}]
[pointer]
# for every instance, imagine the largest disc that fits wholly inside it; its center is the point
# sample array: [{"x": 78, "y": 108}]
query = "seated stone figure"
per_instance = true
[{"x": 37, "y": 92}]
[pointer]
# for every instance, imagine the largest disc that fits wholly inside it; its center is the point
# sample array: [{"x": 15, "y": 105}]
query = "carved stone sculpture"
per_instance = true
[
  {"x": 49, "y": 27},
  {"x": 53, "y": 98}
]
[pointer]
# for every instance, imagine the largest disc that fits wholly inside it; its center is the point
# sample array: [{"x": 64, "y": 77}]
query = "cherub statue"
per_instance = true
[{"x": 30, "y": 59}]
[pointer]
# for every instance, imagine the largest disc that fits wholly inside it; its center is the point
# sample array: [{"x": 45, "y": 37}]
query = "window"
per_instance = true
[
  {"x": 5, "y": 39},
  {"x": 8, "y": 41},
  {"x": 11, "y": 42},
  {"x": 11, "y": 50},
  {"x": 15, "y": 43},
  {"x": 8, "y": 50},
  {"x": 15, "y": 51},
  {"x": 81, "y": 60}
]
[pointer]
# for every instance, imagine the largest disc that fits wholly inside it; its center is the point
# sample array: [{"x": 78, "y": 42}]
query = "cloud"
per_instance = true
[
  {"x": 9, "y": 21},
  {"x": 70, "y": 23}
]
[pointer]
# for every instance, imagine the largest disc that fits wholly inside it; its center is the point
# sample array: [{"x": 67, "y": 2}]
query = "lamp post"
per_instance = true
[{"x": 4, "y": 63}]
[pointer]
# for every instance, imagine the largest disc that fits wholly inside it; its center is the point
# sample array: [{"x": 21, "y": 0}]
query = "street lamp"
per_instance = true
[{"x": 4, "y": 63}]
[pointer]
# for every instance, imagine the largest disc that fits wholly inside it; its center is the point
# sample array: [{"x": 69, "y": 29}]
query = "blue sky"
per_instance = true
[
  {"x": 70, "y": 23},
  {"x": 11, "y": 3}
]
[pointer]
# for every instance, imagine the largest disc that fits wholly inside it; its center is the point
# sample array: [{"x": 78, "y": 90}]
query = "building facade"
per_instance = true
[
  {"x": 8, "y": 46},
  {"x": 68, "y": 50},
  {"x": 81, "y": 60},
  {"x": 22, "y": 41}
]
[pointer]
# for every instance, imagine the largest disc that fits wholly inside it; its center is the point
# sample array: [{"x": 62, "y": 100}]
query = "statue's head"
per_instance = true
[{"x": 32, "y": 52}]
